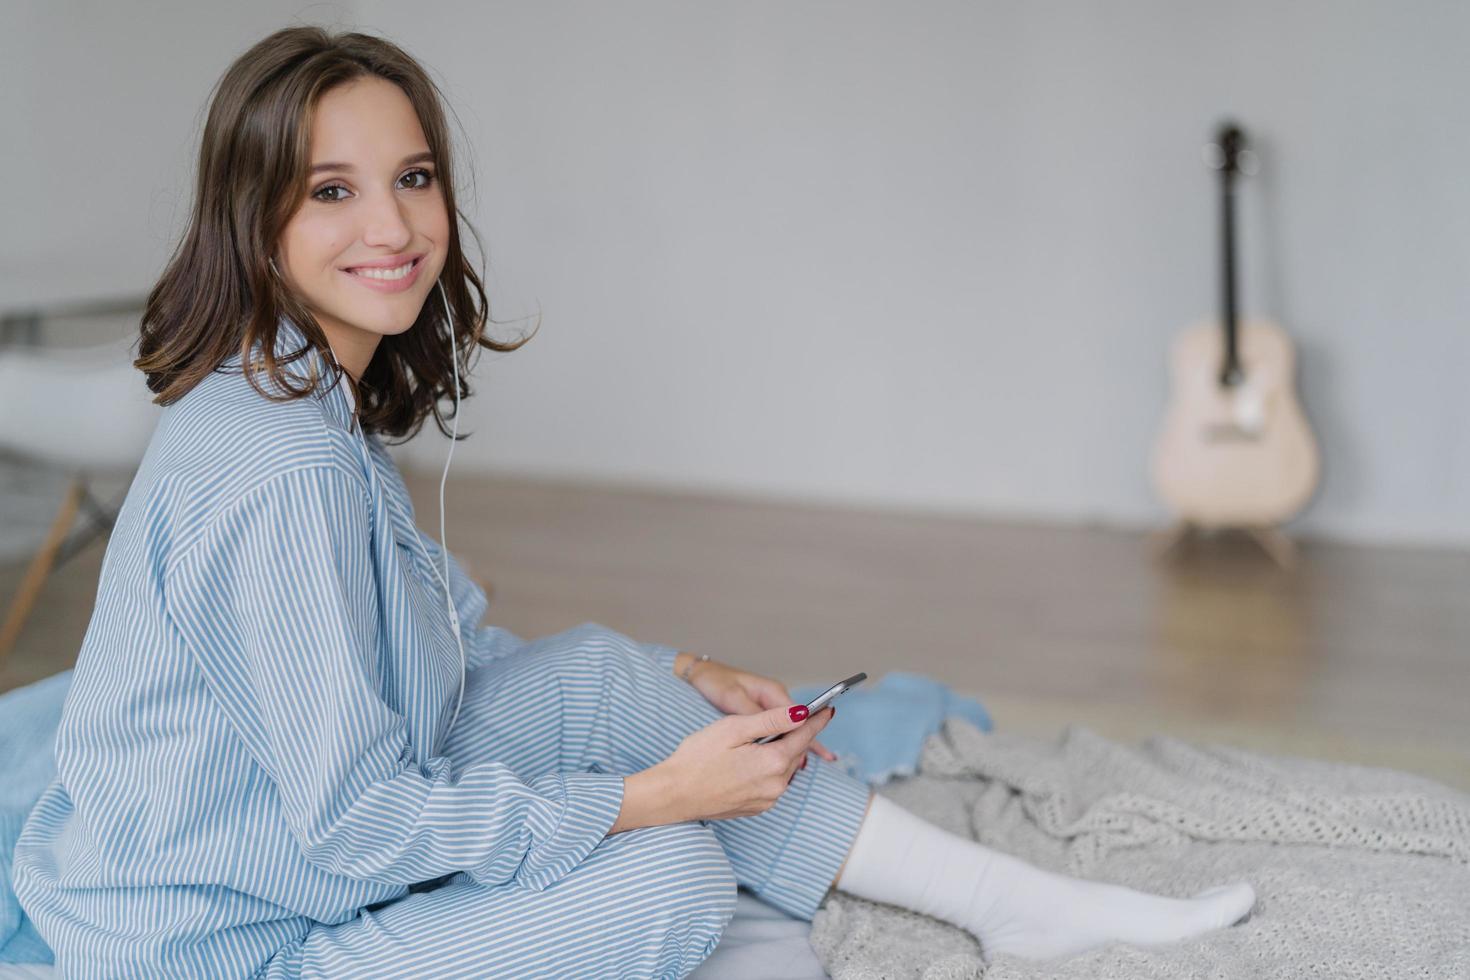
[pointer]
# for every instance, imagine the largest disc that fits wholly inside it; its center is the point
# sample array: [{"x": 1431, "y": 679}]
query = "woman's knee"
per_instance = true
[
  {"x": 683, "y": 868},
  {"x": 596, "y": 646},
  {"x": 593, "y": 658}
]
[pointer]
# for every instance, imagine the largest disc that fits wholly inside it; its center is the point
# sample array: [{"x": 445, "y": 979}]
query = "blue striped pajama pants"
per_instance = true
[{"x": 648, "y": 902}]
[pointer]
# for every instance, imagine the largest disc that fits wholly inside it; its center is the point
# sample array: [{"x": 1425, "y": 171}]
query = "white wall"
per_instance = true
[
  {"x": 924, "y": 255},
  {"x": 101, "y": 109}
]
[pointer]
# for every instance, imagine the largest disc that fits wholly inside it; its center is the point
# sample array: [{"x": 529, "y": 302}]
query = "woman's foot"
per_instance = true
[
  {"x": 1017, "y": 908},
  {"x": 1013, "y": 907}
]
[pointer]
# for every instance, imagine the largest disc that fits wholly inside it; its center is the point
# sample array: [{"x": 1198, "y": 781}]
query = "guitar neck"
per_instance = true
[
  {"x": 1232, "y": 142},
  {"x": 1230, "y": 369}
]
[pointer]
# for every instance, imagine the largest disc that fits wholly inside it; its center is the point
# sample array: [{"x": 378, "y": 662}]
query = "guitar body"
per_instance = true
[{"x": 1238, "y": 455}]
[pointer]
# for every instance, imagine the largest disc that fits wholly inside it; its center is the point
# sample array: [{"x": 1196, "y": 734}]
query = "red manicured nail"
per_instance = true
[{"x": 798, "y": 712}]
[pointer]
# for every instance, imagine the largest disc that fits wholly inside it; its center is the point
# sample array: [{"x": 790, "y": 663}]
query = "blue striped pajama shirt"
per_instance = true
[{"x": 253, "y": 776}]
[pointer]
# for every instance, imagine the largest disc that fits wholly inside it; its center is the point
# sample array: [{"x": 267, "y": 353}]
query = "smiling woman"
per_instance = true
[
  {"x": 262, "y": 769},
  {"x": 325, "y": 195}
]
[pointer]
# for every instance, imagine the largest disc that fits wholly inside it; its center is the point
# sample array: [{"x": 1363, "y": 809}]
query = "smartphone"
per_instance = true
[{"x": 822, "y": 700}]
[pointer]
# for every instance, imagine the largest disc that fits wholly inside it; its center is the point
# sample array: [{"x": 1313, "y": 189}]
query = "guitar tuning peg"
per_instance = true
[
  {"x": 1214, "y": 156},
  {"x": 1248, "y": 162}
]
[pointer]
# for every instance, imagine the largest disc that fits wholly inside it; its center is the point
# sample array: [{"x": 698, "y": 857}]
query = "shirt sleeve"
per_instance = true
[
  {"x": 278, "y": 603},
  {"x": 486, "y": 643}
]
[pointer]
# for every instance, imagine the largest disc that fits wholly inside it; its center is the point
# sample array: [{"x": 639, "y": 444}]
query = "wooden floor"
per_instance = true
[{"x": 1360, "y": 654}]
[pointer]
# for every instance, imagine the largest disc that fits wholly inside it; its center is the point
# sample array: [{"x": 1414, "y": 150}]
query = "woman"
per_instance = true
[{"x": 290, "y": 749}]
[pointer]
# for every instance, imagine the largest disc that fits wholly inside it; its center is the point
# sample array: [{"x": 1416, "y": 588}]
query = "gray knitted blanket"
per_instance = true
[{"x": 1358, "y": 872}]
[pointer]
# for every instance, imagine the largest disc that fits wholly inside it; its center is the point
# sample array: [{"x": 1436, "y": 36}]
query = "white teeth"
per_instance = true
[{"x": 397, "y": 273}]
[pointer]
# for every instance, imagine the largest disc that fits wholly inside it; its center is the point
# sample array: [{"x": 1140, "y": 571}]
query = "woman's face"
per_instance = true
[{"x": 373, "y": 198}]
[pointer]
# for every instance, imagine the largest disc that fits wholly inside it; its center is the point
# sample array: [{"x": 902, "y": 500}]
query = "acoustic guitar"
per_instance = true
[{"x": 1235, "y": 450}]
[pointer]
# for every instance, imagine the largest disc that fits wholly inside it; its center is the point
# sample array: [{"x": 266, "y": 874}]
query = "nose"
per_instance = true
[{"x": 385, "y": 223}]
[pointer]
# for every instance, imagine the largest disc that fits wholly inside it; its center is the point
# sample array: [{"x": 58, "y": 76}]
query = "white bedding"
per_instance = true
[{"x": 760, "y": 941}]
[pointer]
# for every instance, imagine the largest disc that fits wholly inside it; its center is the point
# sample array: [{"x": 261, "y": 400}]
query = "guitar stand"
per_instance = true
[{"x": 1281, "y": 549}]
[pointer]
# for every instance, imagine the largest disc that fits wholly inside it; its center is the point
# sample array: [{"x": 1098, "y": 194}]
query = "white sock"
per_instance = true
[{"x": 1011, "y": 906}]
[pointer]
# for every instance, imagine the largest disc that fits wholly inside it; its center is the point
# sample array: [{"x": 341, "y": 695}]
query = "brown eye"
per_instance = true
[{"x": 427, "y": 175}]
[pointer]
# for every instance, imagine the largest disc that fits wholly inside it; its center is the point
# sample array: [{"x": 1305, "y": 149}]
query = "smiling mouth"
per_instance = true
[{"x": 385, "y": 275}]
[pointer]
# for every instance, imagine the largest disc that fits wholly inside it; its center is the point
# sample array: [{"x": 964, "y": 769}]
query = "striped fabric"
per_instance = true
[{"x": 253, "y": 776}]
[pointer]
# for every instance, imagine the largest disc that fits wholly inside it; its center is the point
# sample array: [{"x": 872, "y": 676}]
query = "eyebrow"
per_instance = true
[{"x": 426, "y": 155}]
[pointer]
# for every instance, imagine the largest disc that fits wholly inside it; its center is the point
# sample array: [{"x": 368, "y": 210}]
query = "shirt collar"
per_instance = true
[
  {"x": 289, "y": 337},
  {"x": 312, "y": 367}
]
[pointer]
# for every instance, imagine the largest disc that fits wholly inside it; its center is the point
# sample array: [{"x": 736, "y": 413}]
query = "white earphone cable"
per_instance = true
[
  {"x": 449, "y": 603},
  {"x": 443, "y": 538}
]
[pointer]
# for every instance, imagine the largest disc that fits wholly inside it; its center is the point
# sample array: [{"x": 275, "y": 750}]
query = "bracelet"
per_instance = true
[{"x": 689, "y": 668}]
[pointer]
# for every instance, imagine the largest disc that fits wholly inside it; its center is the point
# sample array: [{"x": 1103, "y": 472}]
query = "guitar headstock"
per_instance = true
[{"x": 1229, "y": 153}]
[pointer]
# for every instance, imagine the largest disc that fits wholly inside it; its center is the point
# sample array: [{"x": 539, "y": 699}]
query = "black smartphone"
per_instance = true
[{"x": 822, "y": 700}]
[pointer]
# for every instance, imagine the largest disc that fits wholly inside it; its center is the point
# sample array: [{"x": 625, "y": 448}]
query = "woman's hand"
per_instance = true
[
  {"x": 739, "y": 692},
  {"x": 719, "y": 772}
]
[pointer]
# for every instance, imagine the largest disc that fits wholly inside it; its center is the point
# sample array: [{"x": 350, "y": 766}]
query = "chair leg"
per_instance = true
[
  {"x": 40, "y": 568},
  {"x": 1281, "y": 548},
  {"x": 1163, "y": 543}
]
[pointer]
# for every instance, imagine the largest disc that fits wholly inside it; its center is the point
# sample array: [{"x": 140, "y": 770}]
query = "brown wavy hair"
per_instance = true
[{"x": 219, "y": 295}]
